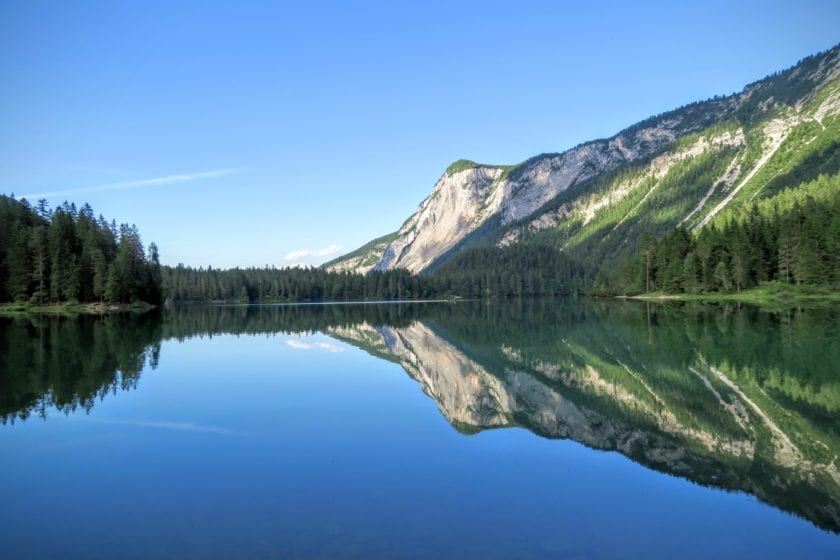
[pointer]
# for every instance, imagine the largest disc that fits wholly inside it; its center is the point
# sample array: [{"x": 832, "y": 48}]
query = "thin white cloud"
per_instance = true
[
  {"x": 298, "y": 344},
  {"x": 327, "y": 251},
  {"x": 295, "y": 255},
  {"x": 142, "y": 183},
  {"x": 304, "y": 253}
]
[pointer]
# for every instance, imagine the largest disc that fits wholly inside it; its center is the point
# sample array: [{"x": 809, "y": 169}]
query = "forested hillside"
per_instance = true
[
  {"x": 792, "y": 238},
  {"x": 70, "y": 255}
]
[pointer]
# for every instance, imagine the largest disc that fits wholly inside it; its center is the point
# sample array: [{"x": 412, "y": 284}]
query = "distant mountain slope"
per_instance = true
[
  {"x": 362, "y": 259},
  {"x": 683, "y": 167}
]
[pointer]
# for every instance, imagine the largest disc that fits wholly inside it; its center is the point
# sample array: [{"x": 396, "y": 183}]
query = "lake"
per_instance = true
[{"x": 512, "y": 429}]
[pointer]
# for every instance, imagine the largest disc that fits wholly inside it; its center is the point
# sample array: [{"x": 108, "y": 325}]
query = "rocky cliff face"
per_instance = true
[
  {"x": 566, "y": 192},
  {"x": 452, "y": 211}
]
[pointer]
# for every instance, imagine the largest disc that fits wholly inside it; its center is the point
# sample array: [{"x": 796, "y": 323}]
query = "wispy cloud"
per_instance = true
[
  {"x": 141, "y": 183},
  {"x": 305, "y": 253},
  {"x": 298, "y": 344}
]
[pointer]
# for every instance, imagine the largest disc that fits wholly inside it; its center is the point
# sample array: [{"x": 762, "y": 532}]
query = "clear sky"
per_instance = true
[{"x": 245, "y": 134}]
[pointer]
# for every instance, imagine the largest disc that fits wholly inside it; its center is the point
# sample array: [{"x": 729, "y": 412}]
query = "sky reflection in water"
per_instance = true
[{"x": 296, "y": 432}]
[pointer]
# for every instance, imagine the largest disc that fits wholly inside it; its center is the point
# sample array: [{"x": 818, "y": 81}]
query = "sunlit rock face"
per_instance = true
[{"x": 442, "y": 220}]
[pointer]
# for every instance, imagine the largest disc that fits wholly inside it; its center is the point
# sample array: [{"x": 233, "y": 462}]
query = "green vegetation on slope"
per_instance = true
[
  {"x": 641, "y": 202},
  {"x": 791, "y": 238},
  {"x": 368, "y": 250},
  {"x": 464, "y": 164},
  {"x": 810, "y": 149}
]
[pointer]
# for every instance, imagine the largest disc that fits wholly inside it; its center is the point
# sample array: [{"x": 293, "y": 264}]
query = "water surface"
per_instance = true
[{"x": 527, "y": 429}]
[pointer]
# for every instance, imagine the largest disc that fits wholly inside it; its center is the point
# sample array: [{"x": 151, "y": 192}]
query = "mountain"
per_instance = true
[{"x": 688, "y": 167}]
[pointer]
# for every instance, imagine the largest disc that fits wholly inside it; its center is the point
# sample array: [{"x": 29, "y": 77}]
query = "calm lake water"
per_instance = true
[{"x": 535, "y": 429}]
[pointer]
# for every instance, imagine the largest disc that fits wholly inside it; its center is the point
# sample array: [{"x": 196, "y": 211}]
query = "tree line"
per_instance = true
[
  {"x": 69, "y": 255},
  {"x": 792, "y": 238},
  {"x": 520, "y": 271},
  {"x": 271, "y": 284}
]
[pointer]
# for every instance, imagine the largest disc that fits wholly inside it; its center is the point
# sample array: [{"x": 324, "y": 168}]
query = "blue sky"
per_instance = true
[{"x": 245, "y": 134}]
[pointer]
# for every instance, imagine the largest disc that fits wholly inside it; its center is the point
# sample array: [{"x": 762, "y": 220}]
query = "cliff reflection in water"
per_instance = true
[{"x": 729, "y": 397}]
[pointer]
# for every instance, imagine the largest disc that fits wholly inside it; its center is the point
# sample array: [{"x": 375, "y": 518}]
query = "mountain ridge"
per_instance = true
[{"x": 681, "y": 167}]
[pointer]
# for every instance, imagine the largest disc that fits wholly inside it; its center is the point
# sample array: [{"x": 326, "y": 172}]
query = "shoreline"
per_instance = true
[
  {"x": 23, "y": 309},
  {"x": 772, "y": 294},
  {"x": 768, "y": 294},
  {"x": 328, "y": 302}
]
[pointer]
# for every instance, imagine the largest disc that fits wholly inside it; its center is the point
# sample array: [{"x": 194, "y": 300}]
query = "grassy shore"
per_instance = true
[
  {"x": 18, "y": 309},
  {"x": 770, "y": 293}
]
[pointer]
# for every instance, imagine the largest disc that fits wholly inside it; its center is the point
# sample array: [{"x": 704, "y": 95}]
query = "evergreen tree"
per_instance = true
[
  {"x": 723, "y": 280},
  {"x": 18, "y": 263}
]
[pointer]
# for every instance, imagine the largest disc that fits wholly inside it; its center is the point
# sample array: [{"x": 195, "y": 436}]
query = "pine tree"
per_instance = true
[
  {"x": 722, "y": 277},
  {"x": 40, "y": 263},
  {"x": 100, "y": 274},
  {"x": 18, "y": 263},
  {"x": 690, "y": 273}
]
